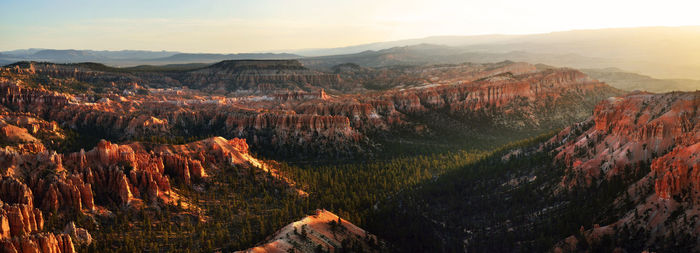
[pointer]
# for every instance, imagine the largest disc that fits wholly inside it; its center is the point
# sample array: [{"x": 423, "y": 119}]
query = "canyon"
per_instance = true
[
  {"x": 653, "y": 136},
  {"x": 226, "y": 154},
  {"x": 129, "y": 176},
  {"x": 507, "y": 95}
]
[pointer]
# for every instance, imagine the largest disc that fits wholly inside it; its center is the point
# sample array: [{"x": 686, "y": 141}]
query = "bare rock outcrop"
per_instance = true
[
  {"x": 39, "y": 242},
  {"x": 78, "y": 235},
  {"x": 625, "y": 137},
  {"x": 20, "y": 231},
  {"x": 627, "y": 131},
  {"x": 322, "y": 229},
  {"x": 275, "y": 113}
]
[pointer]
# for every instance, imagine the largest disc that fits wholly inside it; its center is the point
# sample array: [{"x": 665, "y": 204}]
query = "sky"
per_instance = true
[{"x": 234, "y": 26}]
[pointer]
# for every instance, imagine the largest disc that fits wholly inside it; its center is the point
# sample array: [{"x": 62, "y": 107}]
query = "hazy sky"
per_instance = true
[{"x": 260, "y": 25}]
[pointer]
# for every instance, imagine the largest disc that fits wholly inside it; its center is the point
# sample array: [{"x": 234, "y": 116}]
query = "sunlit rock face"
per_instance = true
[
  {"x": 653, "y": 139},
  {"x": 243, "y": 76},
  {"x": 127, "y": 176},
  {"x": 307, "y": 119},
  {"x": 277, "y": 106},
  {"x": 257, "y": 76},
  {"x": 39, "y": 242},
  {"x": 322, "y": 229},
  {"x": 627, "y": 131},
  {"x": 501, "y": 95},
  {"x": 21, "y": 224},
  {"x": 19, "y": 98}
]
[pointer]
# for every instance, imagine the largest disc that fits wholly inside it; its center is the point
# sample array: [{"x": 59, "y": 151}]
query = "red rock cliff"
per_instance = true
[{"x": 638, "y": 128}]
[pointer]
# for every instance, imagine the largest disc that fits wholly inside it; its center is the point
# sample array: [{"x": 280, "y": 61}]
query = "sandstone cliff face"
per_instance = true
[
  {"x": 362, "y": 115},
  {"x": 245, "y": 76},
  {"x": 120, "y": 118},
  {"x": 39, "y": 242},
  {"x": 20, "y": 219},
  {"x": 26, "y": 132},
  {"x": 322, "y": 229},
  {"x": 300, "y": 95},
  {"x": 127, "y": 175},
  {"x": 627, "y": 131},
  {"x": 21, "y": 225},
  {"x": 495, "y": 91},
  {"x": 70, "y": 77},
  {"x": 678, "y": 173},
  {"x": 509, "y": 101},
  {"x": 46, "y": 130},
  {"x": 509, "y": 95},
  {"x": 625, "y": 136},
  {"x": 272, "y": 128},
  {"x": 355, "y": 77},
  {"x": 257, "y": 76},
  {"x": 277, "y": 106},
  {"x": 531, "y": 100},
  {"x": 12, "y": 134},
  {"x": 78, "y": 235},
  {"x": 15, "y": 192},
  {"x": 38, "y": 101}
]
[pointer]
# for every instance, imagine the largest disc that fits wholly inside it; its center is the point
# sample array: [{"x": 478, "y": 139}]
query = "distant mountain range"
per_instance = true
[
  {"x": 454, "y": 41},
  {"x": 657, "y": 52},
  {"x": 661, "y": 52},
  {"x": 211, "y": 58},
  {"x": 127, "y": 57},
  {"x": 72, "y": 55},
  {"x": 437, "y": 54},
  {"x": 633, "y": 81}
]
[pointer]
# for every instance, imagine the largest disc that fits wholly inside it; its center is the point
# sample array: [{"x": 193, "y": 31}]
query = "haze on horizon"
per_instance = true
[{"x": 219, "y": 26}]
